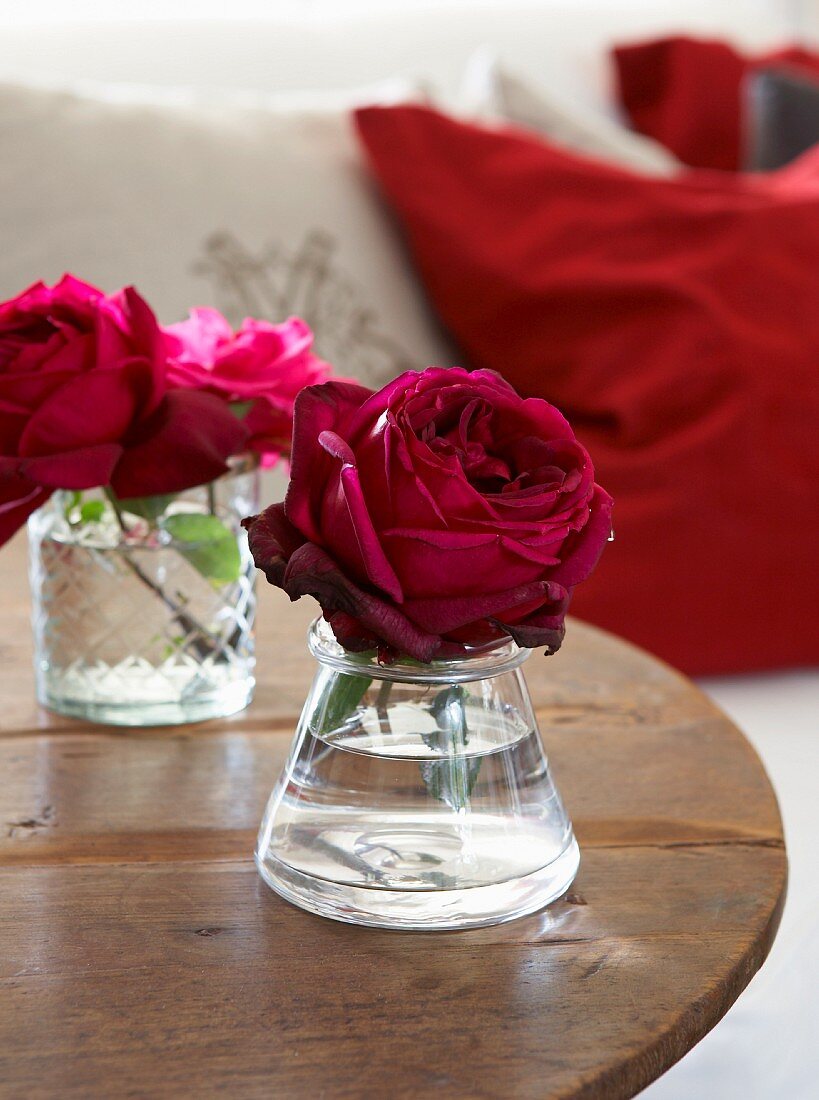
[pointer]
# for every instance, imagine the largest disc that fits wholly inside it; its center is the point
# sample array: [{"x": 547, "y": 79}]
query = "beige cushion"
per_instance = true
[{"x": 253, "y": 206}]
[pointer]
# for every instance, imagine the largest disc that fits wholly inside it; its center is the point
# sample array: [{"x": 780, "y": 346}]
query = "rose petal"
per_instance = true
[
  {"x": 312, "y": 572},
  {"x": 196, "y": 340},
  {"x": 272, "y": 539},
  {"x": 544, "y": 627},
  {"x": 459, "y": 564},
  {"x": 83, "y": 468},
  {"x": 445, "y": 540},
  {"x": 270, "y": 430},
  {"x": 18, "y": 499},
  {"x": 352, "y": 527},
  {"x": 50, "y": 365},
  {"x": 96, "y": 407},
  {"x": 581, "y": 551},
  {"x": 388, "y": 477},
  {"x": 367, "y": 415},
  {"x": 264, "y": 357},
  {"x": 328, "y": 407},
  {"x": 443, "y": 615},
  {"x": 127, "y": 328},
  {"x": 351, "y": 634},
  {"x": 184, "y": 443},
  {"x": 75, "y": 294}
]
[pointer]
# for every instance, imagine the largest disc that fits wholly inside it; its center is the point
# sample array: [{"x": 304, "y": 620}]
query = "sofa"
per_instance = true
[{"x": 291, "y": 223}]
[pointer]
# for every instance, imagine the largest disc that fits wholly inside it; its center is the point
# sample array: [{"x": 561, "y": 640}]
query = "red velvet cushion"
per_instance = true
[
  {"x": 676, "y": 323},
  {"x": 687, "y": 93}
]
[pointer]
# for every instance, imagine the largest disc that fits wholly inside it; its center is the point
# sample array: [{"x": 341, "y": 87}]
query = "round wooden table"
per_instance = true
[{"x": 141, "y": 956}]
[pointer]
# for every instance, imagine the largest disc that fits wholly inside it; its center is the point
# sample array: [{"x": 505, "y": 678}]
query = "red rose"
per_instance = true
[
  {"x": 261, "y": 363},
  {"x": 440, "y": 512},
  {"x": 84, "y": 402}
]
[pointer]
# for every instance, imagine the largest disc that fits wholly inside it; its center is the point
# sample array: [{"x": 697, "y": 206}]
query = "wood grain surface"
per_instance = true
[{"x": 141, "y": 956}]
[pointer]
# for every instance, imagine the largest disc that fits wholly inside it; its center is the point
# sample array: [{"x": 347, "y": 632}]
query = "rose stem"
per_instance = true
[
  {"x": 381, "y": 705},
  {"x": 204, "y": 644}
]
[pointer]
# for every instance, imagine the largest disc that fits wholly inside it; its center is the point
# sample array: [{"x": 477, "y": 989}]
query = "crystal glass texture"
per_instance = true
[{"x": 134, "y": 626}]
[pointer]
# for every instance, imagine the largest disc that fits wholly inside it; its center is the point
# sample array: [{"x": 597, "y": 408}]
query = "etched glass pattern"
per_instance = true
[{"x": 136, "y": 629}]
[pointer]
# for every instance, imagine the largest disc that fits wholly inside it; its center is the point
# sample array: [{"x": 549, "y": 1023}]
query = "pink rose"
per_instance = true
[
  {"x": 84, "y": 402},
  {"x": 443, "y": 511},
  {"x": 262, "y": 363}
]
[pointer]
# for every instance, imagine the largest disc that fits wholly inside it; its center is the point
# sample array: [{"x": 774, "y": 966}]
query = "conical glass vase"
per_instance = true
[{"x": 417, "y": 796}]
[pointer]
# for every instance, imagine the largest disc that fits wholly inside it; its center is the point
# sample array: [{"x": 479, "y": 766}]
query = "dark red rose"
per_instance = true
[
  {"x": 442, "y": 512},
  {"x": 84, "y": 402}
]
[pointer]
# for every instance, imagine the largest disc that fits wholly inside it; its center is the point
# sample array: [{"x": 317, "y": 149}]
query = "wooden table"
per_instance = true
[{"x": 141, "y": 956}]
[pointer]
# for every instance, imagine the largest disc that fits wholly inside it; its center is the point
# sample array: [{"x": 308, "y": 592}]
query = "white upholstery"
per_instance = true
[{"x": 495, "y": 93}]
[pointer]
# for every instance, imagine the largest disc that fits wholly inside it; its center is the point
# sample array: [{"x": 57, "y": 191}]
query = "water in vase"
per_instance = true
[{"x": 421, "y": 800}]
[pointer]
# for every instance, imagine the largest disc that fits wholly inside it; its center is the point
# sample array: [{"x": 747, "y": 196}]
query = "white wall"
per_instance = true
[{"x": 75, "y": 11}]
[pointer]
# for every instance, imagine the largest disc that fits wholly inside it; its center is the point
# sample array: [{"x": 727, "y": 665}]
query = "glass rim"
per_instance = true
[{"x": 493, "y": 660}]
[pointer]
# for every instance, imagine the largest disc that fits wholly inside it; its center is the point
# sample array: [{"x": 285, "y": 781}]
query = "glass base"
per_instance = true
[
  {"x": 228, "y": 699},
  {"x": 423, "y": 910}
]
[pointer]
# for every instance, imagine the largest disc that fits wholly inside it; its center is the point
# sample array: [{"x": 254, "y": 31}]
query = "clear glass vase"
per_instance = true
[
  {"x": 143, "y": 609},
  {"x": 417, "y": 796}
]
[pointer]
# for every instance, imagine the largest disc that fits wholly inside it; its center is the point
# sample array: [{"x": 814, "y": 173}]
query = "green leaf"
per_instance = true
[
  {"x": 208, "y": 544},
  {"x": 92, "y": 511},
  {"x": 241, "y": 408},
  {"x": 451, "y": 779},
  {"x": 150, "y": 508},
  {"x": 348, "y": 691},
  {"x": 448, "y": 708}
]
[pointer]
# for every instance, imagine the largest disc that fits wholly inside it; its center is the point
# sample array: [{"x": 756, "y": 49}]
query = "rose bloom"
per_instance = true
[
  {"x": 262, "y": 363},
  {"x": 441, "y": 513},
  {"x": 84, "y": 402}
]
